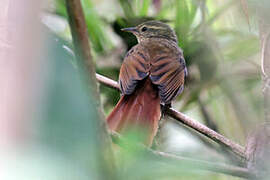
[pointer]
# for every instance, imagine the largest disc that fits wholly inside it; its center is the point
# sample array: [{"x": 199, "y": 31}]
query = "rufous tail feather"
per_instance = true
[{"x": 140, "y": 109}]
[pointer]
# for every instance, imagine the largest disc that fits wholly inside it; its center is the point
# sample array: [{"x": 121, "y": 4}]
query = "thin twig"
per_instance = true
[
  {"x": 107, "y": 81},
  {"x": 220, "y": 139},
  {"x": 220, "y": 148},
  {"x": 199, "y": 164}
]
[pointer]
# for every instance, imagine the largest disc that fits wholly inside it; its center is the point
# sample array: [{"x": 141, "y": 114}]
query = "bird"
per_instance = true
[{"x": 152, "y": 73}]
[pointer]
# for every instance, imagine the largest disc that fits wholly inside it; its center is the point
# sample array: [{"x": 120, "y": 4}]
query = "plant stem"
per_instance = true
[{"x": 86, "y": 66}]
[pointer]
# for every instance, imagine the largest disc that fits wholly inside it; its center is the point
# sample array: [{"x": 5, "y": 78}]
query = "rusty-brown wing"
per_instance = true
[
  {"x": 166, "y": 70},
  {"x": 136, "y": 66}
]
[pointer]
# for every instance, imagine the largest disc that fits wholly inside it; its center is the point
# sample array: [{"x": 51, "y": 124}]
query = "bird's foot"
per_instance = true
[{"x": 164, "y": 109}]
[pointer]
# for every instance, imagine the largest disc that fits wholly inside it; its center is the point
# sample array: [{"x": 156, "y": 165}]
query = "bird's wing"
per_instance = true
[
  {"x": 136, "y": 66},
  {"x": 169, "y": 74}
]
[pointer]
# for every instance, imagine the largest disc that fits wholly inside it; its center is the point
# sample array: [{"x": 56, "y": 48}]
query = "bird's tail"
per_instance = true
[{"x": 141, "y": 110}]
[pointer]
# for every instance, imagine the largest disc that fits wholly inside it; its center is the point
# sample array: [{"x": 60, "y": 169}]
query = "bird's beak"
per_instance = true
[{"x": 130, "y": 29}]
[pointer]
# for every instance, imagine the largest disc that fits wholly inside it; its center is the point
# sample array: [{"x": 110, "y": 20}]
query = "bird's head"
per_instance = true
[{"x": 152, "y": 29}]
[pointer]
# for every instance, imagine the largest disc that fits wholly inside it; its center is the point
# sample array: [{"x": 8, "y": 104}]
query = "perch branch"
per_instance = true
[
  {"x": 237, "y": 149},
  {"x": 193, "y": 124},
  {"x": 107, "y": 81}
]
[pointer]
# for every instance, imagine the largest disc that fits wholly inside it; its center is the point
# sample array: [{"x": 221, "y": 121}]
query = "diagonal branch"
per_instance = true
[
  {"x": 107, "y": 81},
  {"x": 193, "y": 124},
  {"x": 220, "y": 139}
]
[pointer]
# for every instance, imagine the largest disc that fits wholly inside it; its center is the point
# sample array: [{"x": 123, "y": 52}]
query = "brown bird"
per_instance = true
[{"x": 153, "y": 72}]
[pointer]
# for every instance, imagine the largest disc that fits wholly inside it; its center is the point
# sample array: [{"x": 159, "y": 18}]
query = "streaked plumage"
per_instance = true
[
  {"x": 154, "y": 66},
  {"x": 162, "y": 61}
]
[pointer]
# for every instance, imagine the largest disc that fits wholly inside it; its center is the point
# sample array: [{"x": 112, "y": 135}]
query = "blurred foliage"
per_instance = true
[
  {"x": 221, "y": 50},
  {"x": 68, "y": 134},
  {"x": 94, "y": 24}
]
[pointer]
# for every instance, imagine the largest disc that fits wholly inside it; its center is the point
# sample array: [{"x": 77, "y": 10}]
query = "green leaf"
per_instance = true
[
  {"x": 182, "y": 21},
  {"x": 95, "y": 28},
  {"x": 145, "y": 6},
  {"x": 100, "y": 41},
  {"x": 219, "y": 12},
  {"x": 127, "y": 8},
  {"x": 69, "y": 125},
  {"x": 60, "y": 8},
  {"x": 193, "y": 11},
  {"x": 242, "y": 48}
]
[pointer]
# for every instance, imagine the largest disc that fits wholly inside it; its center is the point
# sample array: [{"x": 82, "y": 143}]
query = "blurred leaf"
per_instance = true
[
  {"x": 95, "y": 27},
  {"x": 193, "y": 11},
  {"x": 100, "y": 41},
  {"x": 245, "y": 9},
  {"x": 165, "y": 9},
  {"x": 219, "y": 12},
  {"x": 127, "y": 8},
  {"x": 229, "y": 32},
  {"x": 70, "y": 125},
  {"x": 144, "y": 7},
  {"x": 242, "y": 48},
  {"x": 181, "y": 21},
  {"x": 60, "y": 8}
]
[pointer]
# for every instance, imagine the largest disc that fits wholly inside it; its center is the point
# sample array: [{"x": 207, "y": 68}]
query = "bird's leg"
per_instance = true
[
  {"x": 163, "y": 117},
  {"x": 164, "y": 108}
]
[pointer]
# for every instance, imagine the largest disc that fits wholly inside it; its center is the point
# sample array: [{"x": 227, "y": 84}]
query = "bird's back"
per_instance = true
[{"x": 159, "y": 59}]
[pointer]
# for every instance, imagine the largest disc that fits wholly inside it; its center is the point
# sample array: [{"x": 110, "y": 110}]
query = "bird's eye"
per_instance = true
[{"x": 144, "y": 29}]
